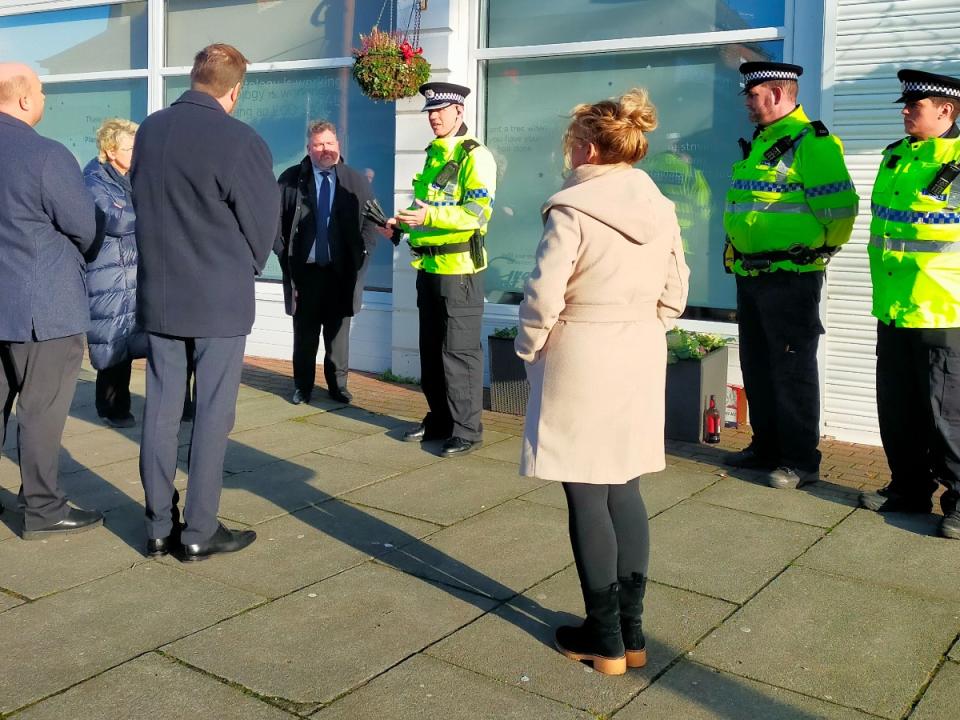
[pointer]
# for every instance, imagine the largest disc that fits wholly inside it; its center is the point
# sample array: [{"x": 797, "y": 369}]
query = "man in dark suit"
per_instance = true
[
  {"x": 324, "y": 248},
  {"x": 207, "y": 212},
  {"x": 49, "y": 222}
]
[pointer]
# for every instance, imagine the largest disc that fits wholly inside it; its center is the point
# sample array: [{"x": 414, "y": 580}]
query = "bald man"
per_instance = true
[{"x": 49, "y": 222}]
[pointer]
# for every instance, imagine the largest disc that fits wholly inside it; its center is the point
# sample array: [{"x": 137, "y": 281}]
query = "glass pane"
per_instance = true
[
  {"x": 107, "y": 37},
  {"x": 279, "y": 106},
  {"x": 74, "y": 111},
  {"x": 534, "y": 22},
  {"x": 269, "y": 31},
  {"x": 701, "y": 116}
]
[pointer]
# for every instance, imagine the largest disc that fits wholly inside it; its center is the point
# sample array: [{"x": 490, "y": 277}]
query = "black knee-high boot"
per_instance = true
[
  {"x": 632, "y": 590},
  {"x": 599, "y": 639}
]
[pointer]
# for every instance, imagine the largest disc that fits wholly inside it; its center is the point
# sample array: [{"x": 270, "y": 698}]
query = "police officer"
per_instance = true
[
  {"x": 453, "y": 200},
  {"x": 789, "y": 208},
  {"x": 915, "y": 267}
]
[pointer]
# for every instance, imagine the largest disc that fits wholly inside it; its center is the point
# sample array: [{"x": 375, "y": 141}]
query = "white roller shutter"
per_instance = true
[{"x": 873, "y": 40}]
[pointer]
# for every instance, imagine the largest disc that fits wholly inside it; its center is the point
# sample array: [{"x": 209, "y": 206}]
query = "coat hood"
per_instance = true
[{"x": 620, "y": 196}]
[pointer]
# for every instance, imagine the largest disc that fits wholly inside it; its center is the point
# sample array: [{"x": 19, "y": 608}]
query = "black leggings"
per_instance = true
[{"x": 608, "y": 530}]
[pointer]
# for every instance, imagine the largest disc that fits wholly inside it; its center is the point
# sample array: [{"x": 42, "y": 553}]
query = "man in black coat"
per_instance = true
[
  {"x": 207, "y": 212},
  {"x": 48, "y": 222},
  {"x": 324, "y": 247}
]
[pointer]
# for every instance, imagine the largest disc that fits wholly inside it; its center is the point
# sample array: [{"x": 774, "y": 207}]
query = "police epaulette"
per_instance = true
[
  {"x": 892, "y": 145},
  {"x": 469, "y": 146},
  {"x": 819, "y": 128}
]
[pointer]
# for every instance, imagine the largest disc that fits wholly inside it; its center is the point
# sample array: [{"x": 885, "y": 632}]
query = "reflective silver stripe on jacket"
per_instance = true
[
  {"x": 911, "y": 246},
  {"x": 771, "y": 207},
  {"x": 835, "y": 213}
]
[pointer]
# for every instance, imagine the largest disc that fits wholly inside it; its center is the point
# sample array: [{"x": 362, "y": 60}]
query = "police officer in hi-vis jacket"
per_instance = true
[
  {"x": 789, "y": 208},
  {"x": 453, "y": 201},
  {"x": 915, "y": 268}
]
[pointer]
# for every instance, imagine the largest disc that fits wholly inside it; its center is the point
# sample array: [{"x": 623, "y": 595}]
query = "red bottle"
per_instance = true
[{"x": 711, "y": 422}]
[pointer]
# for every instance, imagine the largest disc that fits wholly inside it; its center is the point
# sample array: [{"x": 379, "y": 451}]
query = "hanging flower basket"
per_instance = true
[{"x": 388, "y": 67}]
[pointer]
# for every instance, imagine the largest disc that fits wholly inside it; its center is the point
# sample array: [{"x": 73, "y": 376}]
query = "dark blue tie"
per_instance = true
[{"x": 321, "y": 251}]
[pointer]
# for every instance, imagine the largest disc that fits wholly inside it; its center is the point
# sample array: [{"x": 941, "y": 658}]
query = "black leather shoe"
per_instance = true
[
  {"x": 341, "y": 395},
  {"x": 224, "y": 540},
  {"x": 886, "y": 500},
  {"x": 158, "y": 547},
  {"x": 458, "y": 446},
  {"x": 300, "y": 397},
  {"x": 420, "y": 434},
  {"x": 950, "y": 526},
  {"x": 126, "y": 421},
  {"x": 76, "y": 520},
  {"x": 748, "y": 459}
]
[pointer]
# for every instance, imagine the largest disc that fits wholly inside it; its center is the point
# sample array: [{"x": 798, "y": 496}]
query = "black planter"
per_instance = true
[
  {"x": 509, "y": 388},
  {"x": 690, "y": 383}
]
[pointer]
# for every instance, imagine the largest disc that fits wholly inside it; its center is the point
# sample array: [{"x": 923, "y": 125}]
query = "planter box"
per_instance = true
[
  {"x": 509, "y": 388},
  {"x": 690, "y": 383}
]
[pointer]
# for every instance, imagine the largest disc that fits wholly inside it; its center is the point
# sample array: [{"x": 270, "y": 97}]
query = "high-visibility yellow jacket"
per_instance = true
[
  {"x": 804, "y": 198},
  {"x": 915, "y": 237},
  {"x": 457, "y": 210}
]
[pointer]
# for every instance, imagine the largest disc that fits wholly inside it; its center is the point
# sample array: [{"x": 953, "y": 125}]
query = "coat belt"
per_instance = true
[{"x": 640, "y": 312}]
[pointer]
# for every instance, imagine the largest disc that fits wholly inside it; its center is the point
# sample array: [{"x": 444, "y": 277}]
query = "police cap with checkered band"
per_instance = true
[
  {"x": 755, "y": 73},
  {"x": 917, "y": 85},
  {"x": 441, "y": 94}
]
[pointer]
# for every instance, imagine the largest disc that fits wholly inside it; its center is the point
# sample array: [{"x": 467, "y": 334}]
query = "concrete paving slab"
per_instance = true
[
  {"x": 387, "y": 450},
  {"x": 798, "y": 506},
  {"x": 507, "y": 450},
  {"x": 294, "y": 551},
  {"x": 61, "y": 640},
  {"x": 942, "y": 698},
  {"x": 254, "y": 448},
  {"x": 817, "y": 634},
  {"x": 262, "y": 411},
  {"x": 101, "y": 447},
  {"x": 695, "y": 692},
  {"x": 900, "y": 551},
  {"x": 724, "y": 553},
  {"x": 9, "y": 472},
  {"x": 357, "y": 420},
  {"x": 549, "y": 494},
  {"x": 955, "y": 651},
  {"x": 499, "y": 553},
  {"x": 152, "y": 686},
  {"x": 320, "y": 642},
  {"x": 448, "y": 491},
  {"x": 8, "y": 601},
  {"x": 37, "y": 568},
  {"x": 515, "y": 641},
  {"x": 423, "y": 687},
  {"x": 287, "y": 485}
]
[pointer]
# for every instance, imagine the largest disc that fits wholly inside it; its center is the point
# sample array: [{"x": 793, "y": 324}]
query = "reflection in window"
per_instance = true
[
  {"x": 73, "y": 111},
  {"x": 701, "y": 117},
  {"x": 534, "y": 22},
  {"x": 106, "y": 37},
  {"x": 268, "y": 31},
  {"x": 280, "y": 105}
]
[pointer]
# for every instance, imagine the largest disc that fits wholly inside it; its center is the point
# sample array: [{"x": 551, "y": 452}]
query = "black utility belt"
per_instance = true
[
  {"x": 434, "y": 250},
  {"x": 797, "y": 254}
]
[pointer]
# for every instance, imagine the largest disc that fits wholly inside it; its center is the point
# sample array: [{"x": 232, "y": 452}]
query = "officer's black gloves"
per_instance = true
[{"x": 375, "y": 214}]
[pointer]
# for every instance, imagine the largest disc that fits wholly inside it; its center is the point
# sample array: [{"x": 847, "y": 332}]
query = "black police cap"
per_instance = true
[
  {"x": 755, "y": 73},
  {"x": 917, "y": 85},
  {"x": 441, "y": 94}
]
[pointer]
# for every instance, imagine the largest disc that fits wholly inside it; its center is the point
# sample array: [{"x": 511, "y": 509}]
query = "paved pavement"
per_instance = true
[{"x": 389, "y": 583}]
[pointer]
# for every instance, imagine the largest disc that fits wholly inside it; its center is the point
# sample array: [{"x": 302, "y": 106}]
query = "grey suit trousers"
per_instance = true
[
  {"x": 218, "y": 363},
  {"x": 44, "y": 375}
]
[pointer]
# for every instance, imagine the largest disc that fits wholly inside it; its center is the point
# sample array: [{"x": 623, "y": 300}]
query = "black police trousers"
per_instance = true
[
  {"x": 451, "y": 357},
  {"x": 918, "y": 404},
  {"x": 779, "y": 320}
]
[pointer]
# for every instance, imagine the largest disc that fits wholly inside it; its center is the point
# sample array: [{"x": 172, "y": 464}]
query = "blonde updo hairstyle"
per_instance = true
[
  {"x": 110, "y": 133},
  {"x": 617, "y": 128}
]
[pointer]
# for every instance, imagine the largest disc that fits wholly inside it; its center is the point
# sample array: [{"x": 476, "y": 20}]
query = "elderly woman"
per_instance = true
[
  {"x": 609, "y": 280},
  {"x": 115, "y": 338}
]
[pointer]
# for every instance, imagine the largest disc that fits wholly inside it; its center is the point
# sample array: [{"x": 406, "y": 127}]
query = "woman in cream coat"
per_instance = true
[{"x": 610, "y": 279}]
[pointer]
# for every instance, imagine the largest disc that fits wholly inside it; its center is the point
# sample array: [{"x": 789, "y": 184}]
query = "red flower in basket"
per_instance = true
[{"x": 409, "y": 52}]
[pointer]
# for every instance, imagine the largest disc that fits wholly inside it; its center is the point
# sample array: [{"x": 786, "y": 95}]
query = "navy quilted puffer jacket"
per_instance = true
[{"x": 114, "y": 334}]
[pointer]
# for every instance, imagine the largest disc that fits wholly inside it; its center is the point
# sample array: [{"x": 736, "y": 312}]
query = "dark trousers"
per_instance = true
[
  {"x": 609, "y": 532},
  {"x": 113, "y": 390},
  {"x": 322, "y": 307},
  {"x": 918, "y": 404},
  {"x": 780, "y": 329},
  {"x": 451, "y": 358},
  {"x": 44, "y": 376},
  {"x": 217, "y": 366}
]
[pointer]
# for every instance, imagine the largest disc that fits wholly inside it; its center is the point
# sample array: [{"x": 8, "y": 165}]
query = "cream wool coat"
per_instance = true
[{"x": 610, "y": 279}]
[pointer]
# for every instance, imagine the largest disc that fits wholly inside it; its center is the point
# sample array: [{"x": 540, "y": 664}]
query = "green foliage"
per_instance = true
[
  {"x": 508, "y": 333},
  {"x": 689, "y": 345},
  {"x": 387, "y": 67},
  {"x": 389, "y": 376}
]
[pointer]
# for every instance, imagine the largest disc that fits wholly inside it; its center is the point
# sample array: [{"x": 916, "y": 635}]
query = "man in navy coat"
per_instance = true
[
  {"x": 48, "y": 222},
  {"x": 208, "y": 209}
]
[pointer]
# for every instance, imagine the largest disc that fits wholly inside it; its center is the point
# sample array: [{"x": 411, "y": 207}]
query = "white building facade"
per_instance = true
[{"x": 529, "y": 62}]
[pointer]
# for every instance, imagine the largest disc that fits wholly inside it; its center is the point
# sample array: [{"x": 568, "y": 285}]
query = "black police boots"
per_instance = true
[
  {"x": 599, "y": 639},
  {"x": 748, "y": 459},
  {"x": 632, "y": 590},
  {"x": 889, "y": 500}
]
